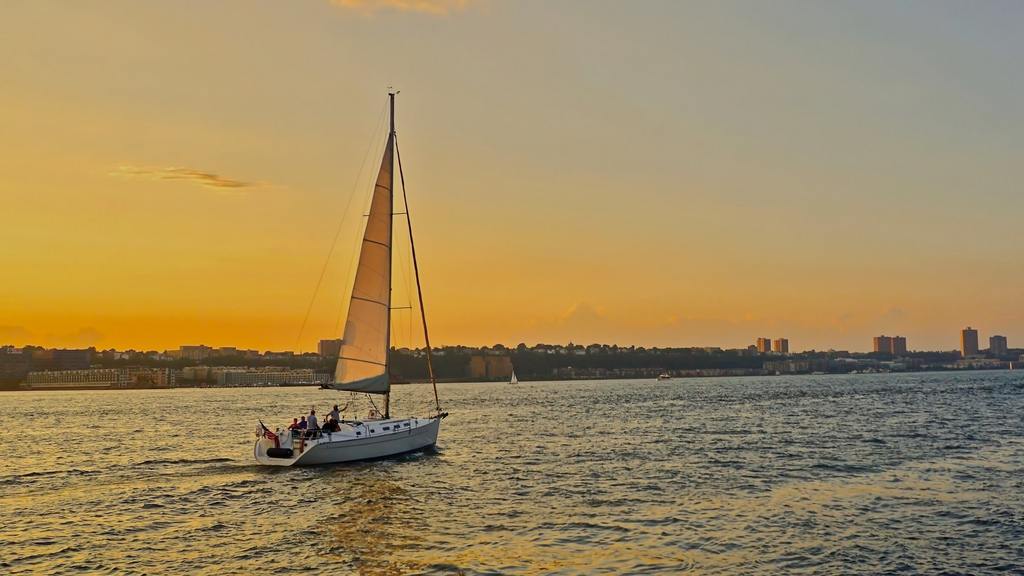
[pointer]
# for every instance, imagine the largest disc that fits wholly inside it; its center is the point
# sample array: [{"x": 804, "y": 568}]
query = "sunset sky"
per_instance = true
[{"x": 655, "y": 173}]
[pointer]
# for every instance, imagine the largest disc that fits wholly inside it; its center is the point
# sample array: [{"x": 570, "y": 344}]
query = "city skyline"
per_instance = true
[
  {"x": 659, "y": 175},
  {"x": 894, "y": 345}
]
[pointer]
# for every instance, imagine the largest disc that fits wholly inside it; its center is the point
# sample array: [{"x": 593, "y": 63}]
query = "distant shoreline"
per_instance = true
[{"x": 207, "y": 386}]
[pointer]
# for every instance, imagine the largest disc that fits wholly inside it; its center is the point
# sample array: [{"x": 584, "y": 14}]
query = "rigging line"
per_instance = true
[
  {"x": 361, "y": 360},
  {"x": 403, "y": 324},
  {"x": 372, "y": 403},
  {"x": 370, "y": 300},
  {"x": 337, "y": 232},
  {"x": 416, "y": 270}
]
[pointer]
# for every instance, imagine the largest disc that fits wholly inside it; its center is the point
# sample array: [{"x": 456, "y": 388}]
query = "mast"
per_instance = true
[{"x": 391, "y": 204}]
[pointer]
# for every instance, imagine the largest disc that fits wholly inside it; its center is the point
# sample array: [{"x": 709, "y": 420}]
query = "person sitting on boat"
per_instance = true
[
  {"x": 294, "y": 425},
  {"x": 331, "y": 425},
  {"x": 303, "y": 424}
]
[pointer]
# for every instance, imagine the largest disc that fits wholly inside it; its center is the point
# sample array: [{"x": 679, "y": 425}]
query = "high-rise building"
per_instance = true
[
  {"x": 899, "y": 345},
  {"x": 764, "y": 345},
  {"x": 997, "y": 345},
  {"x": 780, "y": 346},
  {"x": 329, "y": 348},
  {"x": 969, "y": 342},
  {"x": 883, "y": 344},
  {"x": 891, "y": 344}
]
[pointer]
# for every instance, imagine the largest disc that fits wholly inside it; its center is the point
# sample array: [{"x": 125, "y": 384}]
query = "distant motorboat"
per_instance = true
[{"x": 664, "y": 376}]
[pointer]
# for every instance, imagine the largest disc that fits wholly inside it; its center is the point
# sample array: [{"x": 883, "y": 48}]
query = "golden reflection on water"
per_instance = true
[
  {"x": 374, "y": 525},
  {"x": 379, "y": 529},
  {"x": 804, "y": 519}
]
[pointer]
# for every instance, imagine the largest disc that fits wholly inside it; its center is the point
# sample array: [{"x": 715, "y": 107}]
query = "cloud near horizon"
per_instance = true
[
  {"x": 83, "y": 338},
  {"x": 21, "y": 336},
  {"x": 205, "y": 179},
  {"x": 15, "y": 336},
  {"x": 439, "y": 7},
  {"x": 584, "y": 323}
]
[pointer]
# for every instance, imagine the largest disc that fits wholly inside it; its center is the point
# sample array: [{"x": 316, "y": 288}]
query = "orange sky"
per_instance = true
[{"x": 661, "y": 174}]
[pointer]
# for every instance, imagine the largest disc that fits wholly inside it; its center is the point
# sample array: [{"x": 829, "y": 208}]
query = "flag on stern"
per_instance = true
[{"x": 270, "y": 435}]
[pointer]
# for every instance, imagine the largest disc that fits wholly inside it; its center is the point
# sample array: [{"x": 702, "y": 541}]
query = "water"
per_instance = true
[{"x": 865, "y": 474}]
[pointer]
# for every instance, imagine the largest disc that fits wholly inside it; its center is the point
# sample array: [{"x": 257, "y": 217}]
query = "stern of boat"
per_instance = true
[{"x": 274, "y": 449}]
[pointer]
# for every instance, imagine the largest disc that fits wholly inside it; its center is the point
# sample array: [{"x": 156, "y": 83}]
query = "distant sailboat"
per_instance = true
[
  {"x": 363, "y": 361},
  {"x": 514, "y": 380}
]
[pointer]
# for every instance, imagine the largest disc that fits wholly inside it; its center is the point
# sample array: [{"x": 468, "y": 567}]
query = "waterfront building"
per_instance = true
[
  {"x": 489, "y": 368},
  {"x": 997, "y": 345},
  {"x": 100, "y": 379},
  {"x": 797, "y": 366},
  {"x": 780, "y": 346},
  {"x": 240, "y": 378},
  {"x": 968, "y": 342},
  {"x": 764, "y": 345},
  {"x": 163, "y": 377}
]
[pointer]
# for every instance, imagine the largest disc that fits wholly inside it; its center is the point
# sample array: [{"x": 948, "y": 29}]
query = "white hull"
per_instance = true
[{"x": 356, "y": 441}]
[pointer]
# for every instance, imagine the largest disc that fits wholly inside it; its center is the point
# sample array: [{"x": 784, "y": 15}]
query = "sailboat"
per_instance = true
[
  {"x": 363, "y": 361},
  {"x": 514, "y": 380}
]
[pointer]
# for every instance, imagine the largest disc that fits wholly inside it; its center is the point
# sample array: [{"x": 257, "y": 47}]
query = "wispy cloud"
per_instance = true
[
  {"x": 440, "y": 7},
  {"x": 206, "y": 179}
]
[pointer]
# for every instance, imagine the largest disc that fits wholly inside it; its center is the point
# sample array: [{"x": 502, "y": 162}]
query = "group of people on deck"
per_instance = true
[{"x": 309, "y": 426}]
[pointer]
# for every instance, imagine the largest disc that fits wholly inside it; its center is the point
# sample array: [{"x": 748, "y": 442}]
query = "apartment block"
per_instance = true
[
  {"x": 968, "y": 342},
  {"x": 894, "y": 345},
  {"x": 329, "y": 348},
  {"x": 780, "y": 346},
  {"x": 997, "y": 345}
]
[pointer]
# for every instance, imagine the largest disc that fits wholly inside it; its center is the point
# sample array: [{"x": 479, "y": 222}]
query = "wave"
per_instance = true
[{"x": 163, "y": 462}]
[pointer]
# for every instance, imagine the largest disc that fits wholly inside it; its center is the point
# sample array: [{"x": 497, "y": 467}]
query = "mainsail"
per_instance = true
[{"x": 363, "y": 361}]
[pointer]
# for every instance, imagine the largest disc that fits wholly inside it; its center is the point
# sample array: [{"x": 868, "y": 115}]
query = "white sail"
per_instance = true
[
  {"x": 514, "y": 380},
  {"x": 363, "y": 361}
]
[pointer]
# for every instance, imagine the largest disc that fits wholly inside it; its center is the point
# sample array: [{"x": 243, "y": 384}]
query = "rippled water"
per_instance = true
[{"x": 900, "y": 474}]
